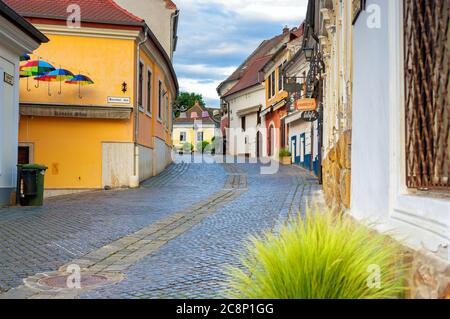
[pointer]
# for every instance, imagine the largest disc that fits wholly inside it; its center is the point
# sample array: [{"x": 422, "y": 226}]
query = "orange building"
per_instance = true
[
  {"x": 112, "y": 132},
  {"x": 276, "y": 97}
]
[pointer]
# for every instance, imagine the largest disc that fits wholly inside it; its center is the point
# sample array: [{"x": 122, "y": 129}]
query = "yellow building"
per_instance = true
[
  {"x": 194, "y": 127},
  {"x": 114, "y": 132}
]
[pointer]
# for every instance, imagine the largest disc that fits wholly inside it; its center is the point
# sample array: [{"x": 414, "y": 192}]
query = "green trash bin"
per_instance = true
[{"x": 31, "y": 184}]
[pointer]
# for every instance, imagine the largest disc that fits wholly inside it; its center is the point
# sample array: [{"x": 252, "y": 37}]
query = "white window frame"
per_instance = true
[
  {"x": 141, "y": 107},
  {"x": 185, "y": 136},
  {"x": 160, "y": 100},
  {"x": 149, "y": 99},
  {"x": 425, "y": 220}
]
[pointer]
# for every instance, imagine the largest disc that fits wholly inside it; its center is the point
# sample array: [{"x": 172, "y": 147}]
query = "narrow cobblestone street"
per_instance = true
[{"x": 169, "y": 239}]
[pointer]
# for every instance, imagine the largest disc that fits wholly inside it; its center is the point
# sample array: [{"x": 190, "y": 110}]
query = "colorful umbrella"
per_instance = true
[
  {"x": 56, "y": 75},
  {"x": 25, "y": 57},
  {"x": 80, "y": 79},
  {"x": 35, "y": 68}
]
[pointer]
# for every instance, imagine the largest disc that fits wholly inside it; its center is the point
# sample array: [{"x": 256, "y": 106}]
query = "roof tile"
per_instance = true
[{"x": 99, "y": 11}]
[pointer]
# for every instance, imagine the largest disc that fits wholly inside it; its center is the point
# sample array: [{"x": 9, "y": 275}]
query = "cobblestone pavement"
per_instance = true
[
  {"x": 36, "y": 240},
  {"x": 169, "y": 239},
  {"x": 192, "y": 265}
]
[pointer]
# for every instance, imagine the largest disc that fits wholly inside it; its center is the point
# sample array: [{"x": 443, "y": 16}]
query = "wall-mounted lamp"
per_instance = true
[{"x": 308, "y": 53}]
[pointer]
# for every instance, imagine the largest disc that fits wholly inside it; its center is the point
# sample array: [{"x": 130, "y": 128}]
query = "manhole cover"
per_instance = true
[{"x": 85, "y": 282}]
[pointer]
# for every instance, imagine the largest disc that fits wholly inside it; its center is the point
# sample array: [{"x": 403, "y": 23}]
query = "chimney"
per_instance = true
[{"x": 286, "y": 30}]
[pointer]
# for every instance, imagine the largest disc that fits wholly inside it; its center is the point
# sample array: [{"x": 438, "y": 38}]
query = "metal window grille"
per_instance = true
[{"x": 427, "y": 59}]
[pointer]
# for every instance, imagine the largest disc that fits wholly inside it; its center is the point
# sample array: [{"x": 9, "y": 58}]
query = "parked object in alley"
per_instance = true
[
  {"x": 30, "y": 184},
  {"x": 17, "y": 39},
  {"x": 323, "y": 257}
]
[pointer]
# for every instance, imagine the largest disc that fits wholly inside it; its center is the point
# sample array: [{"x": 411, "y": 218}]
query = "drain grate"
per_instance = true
[{"x": 86, "y": 281}]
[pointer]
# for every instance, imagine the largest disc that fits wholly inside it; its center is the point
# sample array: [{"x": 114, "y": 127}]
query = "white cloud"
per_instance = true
[
  {"x": 203, "y": 69},
  {"x": 284, "y": 11},
  {"x": 208, "y": 89}
]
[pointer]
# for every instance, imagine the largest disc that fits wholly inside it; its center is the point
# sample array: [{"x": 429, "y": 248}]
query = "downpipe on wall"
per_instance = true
[{"x": 134, "y": 179}]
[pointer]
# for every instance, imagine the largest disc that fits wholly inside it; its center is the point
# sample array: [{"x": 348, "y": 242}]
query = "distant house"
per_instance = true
[
  {"x": 17, "y": 37},
  {"x": 194, "y": 126}
]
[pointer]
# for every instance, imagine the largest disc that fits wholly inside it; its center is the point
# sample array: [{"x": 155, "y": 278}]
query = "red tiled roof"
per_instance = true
[
  {"x": 170, "y": 4},
  {"x": 251, "y": 76},
  {"x": 97, "y": 11},
  {"x": 195, "y": 113},
  {"x": 262, "y": 50}
]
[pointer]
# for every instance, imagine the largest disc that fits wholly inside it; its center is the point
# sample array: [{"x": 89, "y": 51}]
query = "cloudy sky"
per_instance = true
[{"x": 215, "y": 36}]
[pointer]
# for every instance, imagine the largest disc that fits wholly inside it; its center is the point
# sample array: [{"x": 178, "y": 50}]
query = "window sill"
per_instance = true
[{"x": 429, "y": 216}]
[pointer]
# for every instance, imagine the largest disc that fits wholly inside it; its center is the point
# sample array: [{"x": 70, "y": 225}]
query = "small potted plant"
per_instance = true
[{"x": 285, "y": 156}]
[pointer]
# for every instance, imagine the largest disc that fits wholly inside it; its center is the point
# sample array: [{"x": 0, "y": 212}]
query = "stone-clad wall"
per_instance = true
[
  {"x": 430, "y": 276},
  {"x": 337, "y": 174}
]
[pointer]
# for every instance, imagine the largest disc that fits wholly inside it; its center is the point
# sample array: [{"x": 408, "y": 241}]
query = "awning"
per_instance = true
[
  {"x": 297, "y": 115},
  {"x": 72, "y": 111},
  {"x": 248, "y": 110},
  {"x": 265, "y": 111},
  {"x": 279, "y": 105}
]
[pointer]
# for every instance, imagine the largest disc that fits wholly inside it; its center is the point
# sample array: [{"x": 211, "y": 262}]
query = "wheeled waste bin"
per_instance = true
[{"x": 30, "y": 184}]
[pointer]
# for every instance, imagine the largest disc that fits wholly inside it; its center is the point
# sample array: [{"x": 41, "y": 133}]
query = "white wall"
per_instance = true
[
  {"x": 157, "y": 17},
  {"x": 8, "y": 125},
  {"x": 162, "y": 156},
  {"x": 370, "y": 134},
  {"x": 240, "y": 101},
  {"x": 378, "y": 191},
  {"x": 145, "y": 163},
  {"x": 117, "y": 164}
]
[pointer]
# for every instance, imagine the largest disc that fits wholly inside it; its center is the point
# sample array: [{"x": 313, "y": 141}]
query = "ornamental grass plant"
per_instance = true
[{"x": 324, "y": 257}]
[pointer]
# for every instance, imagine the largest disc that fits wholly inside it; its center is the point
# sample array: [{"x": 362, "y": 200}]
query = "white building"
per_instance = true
[
  {"x": 162, "y": 18},
  {"x": 401, "y": 132},
  {"x": 243, "y": 97},
  {"x": 17, "y": 37},
  {"x": 303, "y": 135}
]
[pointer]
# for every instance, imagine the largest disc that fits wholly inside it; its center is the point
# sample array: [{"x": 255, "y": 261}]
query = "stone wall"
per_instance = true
[
  {"x": 430, "y": 276},
  {"x": 337, "y": 174}
]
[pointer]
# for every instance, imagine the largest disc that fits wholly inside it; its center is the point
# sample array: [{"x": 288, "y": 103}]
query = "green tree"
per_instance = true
[{"x": 188, "y": 100}]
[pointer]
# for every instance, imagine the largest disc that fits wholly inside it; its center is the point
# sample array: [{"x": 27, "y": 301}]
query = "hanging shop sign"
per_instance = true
[
  {"x": 357, "y": 7},
  {"x": 119, "y": 100},
  {"x": 310, "y": 116},
  {"x": 291, "y": 85},
  {"x": 305, "y": 104},
  {"x": 8, "y": 78}
]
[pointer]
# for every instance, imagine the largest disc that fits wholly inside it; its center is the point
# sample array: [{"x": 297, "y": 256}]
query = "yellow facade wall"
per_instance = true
[
  {"x": 150, "y": 122},
  {"x": 108, "y": 62},
  {"x": 72, "y": 148},
  {"x": 279, "y": 94},
  {"x": 208, "y": 135}
]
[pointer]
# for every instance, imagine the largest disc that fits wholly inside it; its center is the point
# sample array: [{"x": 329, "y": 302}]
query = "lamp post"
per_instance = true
[{"x": 309, "y": 52}]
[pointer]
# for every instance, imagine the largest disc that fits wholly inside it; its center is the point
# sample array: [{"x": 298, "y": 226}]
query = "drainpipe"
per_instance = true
[
  {"x": 134, "y": 180},
  {"x": 173, "y": 31}
]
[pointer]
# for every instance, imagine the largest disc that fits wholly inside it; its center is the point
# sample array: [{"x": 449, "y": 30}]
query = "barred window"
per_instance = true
[{"x": 427, "y": 88}]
